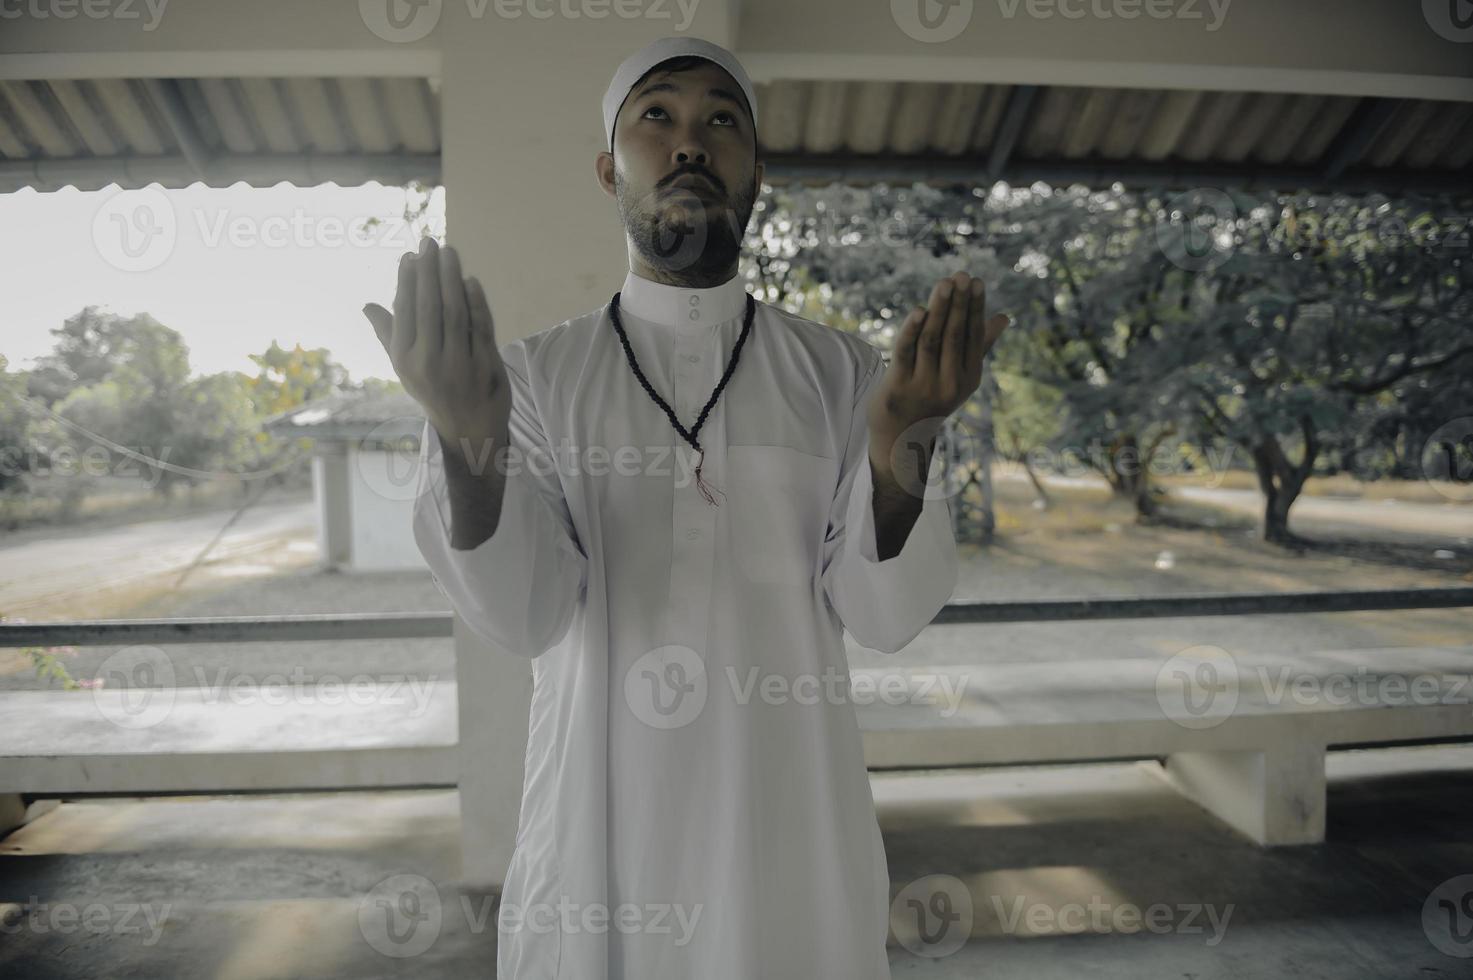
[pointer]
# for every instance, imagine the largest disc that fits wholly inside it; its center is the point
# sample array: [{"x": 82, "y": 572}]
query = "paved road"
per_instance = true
[
  {"x": 1388, "y": 520},
  {"x": 36, "y": 570},
  {"x": 1399, "y": 520}
]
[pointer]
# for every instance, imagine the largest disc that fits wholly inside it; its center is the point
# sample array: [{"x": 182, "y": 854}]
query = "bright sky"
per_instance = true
[{"x": 230, "y": 269}]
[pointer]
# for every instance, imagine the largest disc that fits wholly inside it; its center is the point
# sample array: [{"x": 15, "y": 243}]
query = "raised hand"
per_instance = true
[
  {"x": 442, "y": 345},
  {"x": 937, "y": 365}
]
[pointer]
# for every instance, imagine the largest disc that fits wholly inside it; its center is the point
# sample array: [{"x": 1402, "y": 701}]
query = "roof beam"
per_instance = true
[
  {"x": 1351, "y": 143},
  {"x": 1014, "y": 119},
  {"x": 45, "y": 100},
  {"x": 166, "y": 98},
  {"x": 385, "y": 116},
  {"x": 12, "y": 121}
]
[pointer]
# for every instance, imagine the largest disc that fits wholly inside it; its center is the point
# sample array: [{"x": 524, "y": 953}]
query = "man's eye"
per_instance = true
[
  {"x": 725, "y": 115},
  {"x": 653, "y": 108}
]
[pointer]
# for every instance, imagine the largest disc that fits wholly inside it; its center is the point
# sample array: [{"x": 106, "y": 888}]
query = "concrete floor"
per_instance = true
[{"x": 1060, "y": 865}]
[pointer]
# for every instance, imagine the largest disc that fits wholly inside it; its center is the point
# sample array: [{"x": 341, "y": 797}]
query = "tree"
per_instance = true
[
  {"x": 218, "y": 432},
  {"x": 1077, "y": 269},
  {"x": 1306, "y": 338},
  {"x": 1027, "y": 417},
  {"x": 17, "y": 446},
  {"x": 115, "y": 382},
  {"x": 94, "y": 343},
  {"x": 1309, "y": 331},
  {"x": 121, "y": 385},
  {"x": 857, "y": 259},
  {"x": 289, "y": 378}
]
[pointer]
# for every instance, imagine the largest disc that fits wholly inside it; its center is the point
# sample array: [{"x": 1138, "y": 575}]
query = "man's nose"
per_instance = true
[{"x": 689, "y": 150}]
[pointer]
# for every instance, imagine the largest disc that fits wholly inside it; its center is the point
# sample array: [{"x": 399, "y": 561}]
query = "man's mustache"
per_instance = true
[{"x": 694, "y": 171}]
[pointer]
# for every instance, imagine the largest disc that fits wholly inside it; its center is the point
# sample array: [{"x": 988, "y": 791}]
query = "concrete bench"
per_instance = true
[
  {"x": 1253, "y": 754},
  {"x": 1257, "y": 763},
  {"x": 194, "y": 740}
]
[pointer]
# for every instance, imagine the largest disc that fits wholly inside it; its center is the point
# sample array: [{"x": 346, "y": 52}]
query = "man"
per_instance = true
[{"x": 673, "y": 505}]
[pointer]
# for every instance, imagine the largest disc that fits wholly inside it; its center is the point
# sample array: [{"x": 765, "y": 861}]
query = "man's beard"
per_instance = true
[{"x": 691, "y": 240}]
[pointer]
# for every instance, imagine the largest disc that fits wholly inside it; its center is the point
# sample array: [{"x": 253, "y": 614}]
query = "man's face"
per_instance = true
[{"x": 683, "y": 171}]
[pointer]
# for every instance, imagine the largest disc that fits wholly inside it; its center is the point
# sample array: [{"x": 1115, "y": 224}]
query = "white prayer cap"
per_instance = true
[{"x": 657, "y": 51}]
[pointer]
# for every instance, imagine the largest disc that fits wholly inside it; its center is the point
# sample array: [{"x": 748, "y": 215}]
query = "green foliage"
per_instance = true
[
  {"x": 1306, "y": 330},
  {"x": 94, "y": 345},
  {"x": 47, "y": 663},
  {"x": 115, "y": 398},
  {"x": 1028, "y": 413},
  {"x": 15, "y": 425},
  {"x": 421, "y": 218},
  {"x": 132, "y": 407},
  {"x": 288, "y": 379},
  {"x": 1332, "y": 339}
]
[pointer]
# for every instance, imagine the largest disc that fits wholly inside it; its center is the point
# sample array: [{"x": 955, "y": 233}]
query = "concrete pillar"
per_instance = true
[
  {"x": 1275, "y": 796},
  {"x": 12, "y": 812},
  {"x": 332, "y": 495},
  {"x": 521, "y": 126},
  {"x": 16, "y": 813}
]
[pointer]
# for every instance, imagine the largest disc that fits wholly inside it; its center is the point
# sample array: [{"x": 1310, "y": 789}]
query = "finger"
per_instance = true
[
  {"x": 928, "y": 347},
  {"x": 954, "y": 341},
  {"x": 905, "y": 341},
  {"x": 383, "y": 323},
  {"x": 482, "y": 325},
  {"x": 429, "y": 328},
  {"x": 452, "y": 300},
  {"x": 404, "y": 326}
]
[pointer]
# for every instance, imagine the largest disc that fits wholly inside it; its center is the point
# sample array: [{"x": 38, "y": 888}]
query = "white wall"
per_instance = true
[{"x": 380, "y": 501}]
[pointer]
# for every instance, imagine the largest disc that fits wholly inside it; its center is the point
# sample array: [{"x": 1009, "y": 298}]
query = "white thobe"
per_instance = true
[{"x": 696, "y": 803}]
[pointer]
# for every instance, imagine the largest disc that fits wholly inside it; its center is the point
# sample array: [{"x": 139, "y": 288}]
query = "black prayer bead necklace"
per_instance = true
[{"x": 689, "y": 436}]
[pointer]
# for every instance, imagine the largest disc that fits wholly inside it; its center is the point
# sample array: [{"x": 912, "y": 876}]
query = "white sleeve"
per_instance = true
[
  {"x": 884, "y": 604},
  {"x": 521, "y": 586}
]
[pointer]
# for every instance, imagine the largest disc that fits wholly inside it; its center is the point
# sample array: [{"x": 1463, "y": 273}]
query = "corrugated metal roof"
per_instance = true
[
  {"x": 389, "y": 417},
  {"x": 89, "y": 133},
  {"x": 861, "y": 131}
]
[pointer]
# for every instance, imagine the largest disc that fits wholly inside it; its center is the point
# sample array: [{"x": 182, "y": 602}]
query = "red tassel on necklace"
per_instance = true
[{"x": 700, "y": 483}]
